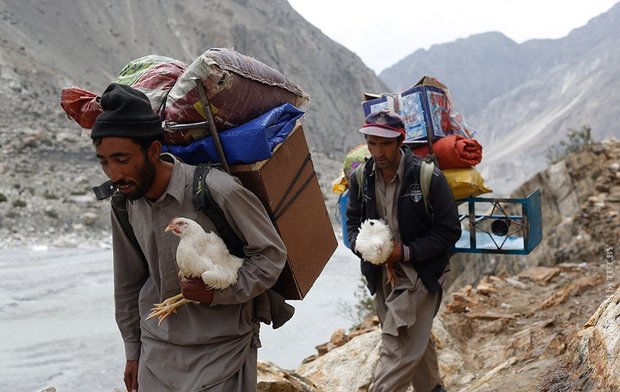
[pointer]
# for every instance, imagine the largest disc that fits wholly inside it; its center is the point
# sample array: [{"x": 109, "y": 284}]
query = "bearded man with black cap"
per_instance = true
[
  {"x": 391, "y": 191},
  {"x": 208, "y": 347}
]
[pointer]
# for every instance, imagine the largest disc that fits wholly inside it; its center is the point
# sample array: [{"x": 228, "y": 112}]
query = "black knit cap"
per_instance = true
[{"x": 127, "y": 112}]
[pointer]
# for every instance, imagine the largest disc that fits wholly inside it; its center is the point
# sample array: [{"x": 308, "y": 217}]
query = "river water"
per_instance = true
[{"x": 57, "y": 319}]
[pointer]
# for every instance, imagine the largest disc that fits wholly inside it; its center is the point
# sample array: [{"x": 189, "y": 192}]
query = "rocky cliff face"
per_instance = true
[
  {"x": 480, "y": 68},
  {"x": 506, "y": 333},
  {"x": 591, "y": 362}
]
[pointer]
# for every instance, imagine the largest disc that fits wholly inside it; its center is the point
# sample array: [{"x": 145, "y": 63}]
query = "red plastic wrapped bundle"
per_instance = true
[{"x": 80, "y": 105}]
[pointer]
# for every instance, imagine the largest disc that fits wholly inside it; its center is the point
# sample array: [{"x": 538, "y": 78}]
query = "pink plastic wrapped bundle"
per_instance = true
[
  {"x": 239, "y": 88},
  {"x": 153, "y": 75}
]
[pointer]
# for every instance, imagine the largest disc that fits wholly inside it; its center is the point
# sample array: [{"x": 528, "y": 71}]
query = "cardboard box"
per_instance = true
[
  {"x": 288, "y": 187},
  {"x": 422, "y": 107}
]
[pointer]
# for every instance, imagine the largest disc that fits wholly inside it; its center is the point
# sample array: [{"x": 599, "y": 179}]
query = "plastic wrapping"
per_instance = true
[
  {"x": 153, "y": 75},
  {"x": 357, "y": 156},
  {"x": 251, "y": 142},
  {"x": 340, "y": 184},
  {"x": 343, "y": 199},
  {"x": 465, "y": 182},
  {"x": 425, "y": 106},
  {"x": 81, "y": 105}
]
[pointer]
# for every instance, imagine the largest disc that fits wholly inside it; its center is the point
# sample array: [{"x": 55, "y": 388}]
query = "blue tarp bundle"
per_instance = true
[{"x": 250, "y": 142}]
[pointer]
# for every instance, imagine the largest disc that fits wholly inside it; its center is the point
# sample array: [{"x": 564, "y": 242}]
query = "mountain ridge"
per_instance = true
[{"x": 523, "y": 98}]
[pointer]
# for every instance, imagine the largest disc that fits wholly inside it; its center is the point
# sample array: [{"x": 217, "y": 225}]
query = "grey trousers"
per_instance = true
[{"x": 408, "y": 358}]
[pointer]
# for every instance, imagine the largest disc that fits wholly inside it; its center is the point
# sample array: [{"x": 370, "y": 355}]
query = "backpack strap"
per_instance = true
[
  {"x": 203, "y": 200},
  {"x": 426, "y": 174},
  {"x": 359, "y": 176},
  {"x": 119, "y": 207}
]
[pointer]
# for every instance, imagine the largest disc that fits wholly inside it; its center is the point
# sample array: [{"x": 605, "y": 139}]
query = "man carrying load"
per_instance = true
[{"x": 423, "y": 232}]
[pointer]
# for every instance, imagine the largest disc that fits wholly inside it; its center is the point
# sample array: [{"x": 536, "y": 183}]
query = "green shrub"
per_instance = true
[
  {"x": 19, "y": 203},
  {"x": 52, "y": 214},
  {"x": 365, "y": 303},
  {"x": 49, "y": 195},
  {"x": 577, "y": 140},
  {"x": 2, "y": 198}
]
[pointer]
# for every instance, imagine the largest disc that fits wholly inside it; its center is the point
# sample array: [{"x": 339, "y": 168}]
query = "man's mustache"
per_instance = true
[{"x": 122, "y": 183}]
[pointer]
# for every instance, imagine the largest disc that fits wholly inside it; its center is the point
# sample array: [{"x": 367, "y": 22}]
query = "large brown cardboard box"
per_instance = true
[{"x": 287, "y": 186}]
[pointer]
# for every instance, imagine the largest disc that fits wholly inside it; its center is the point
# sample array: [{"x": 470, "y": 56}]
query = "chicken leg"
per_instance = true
[
  {"x": 167, "y": 307},
  {"x": 392, "y": 279}
]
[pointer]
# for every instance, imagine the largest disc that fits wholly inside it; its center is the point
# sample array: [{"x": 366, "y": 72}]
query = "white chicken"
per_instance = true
[
  {"x": 199, "y": 255},
  {"x": 374, "y": 243}
]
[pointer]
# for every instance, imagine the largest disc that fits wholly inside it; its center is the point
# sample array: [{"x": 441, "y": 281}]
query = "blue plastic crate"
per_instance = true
[{"x": 506, "y": 226}]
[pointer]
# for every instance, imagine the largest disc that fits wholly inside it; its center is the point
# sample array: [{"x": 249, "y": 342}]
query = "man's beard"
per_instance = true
[{"x": 144, "y": 181}]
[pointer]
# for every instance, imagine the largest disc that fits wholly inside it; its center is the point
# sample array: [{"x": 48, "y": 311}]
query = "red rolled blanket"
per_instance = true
[{"x": 454, "y": 152}]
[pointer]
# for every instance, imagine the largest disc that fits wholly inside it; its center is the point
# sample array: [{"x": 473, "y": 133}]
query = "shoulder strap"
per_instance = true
[
  {"x": 203, "y": 200},
  {"x": 119, "y": 207},
  {"x": 426, "y": 174},
  {"x": 359, "y": 176}
]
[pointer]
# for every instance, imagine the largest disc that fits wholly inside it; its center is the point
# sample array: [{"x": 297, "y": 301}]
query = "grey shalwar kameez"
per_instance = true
[{"x": 201, "y": 347}]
